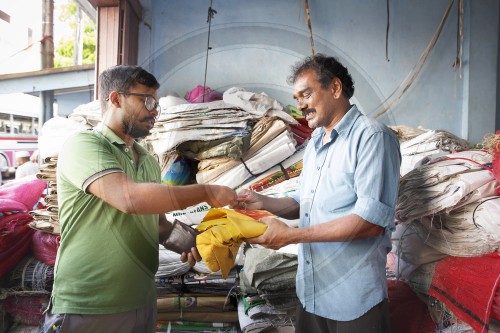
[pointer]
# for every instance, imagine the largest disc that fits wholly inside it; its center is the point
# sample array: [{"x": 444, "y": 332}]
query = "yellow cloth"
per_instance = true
[{"x": 222, "y": 232}]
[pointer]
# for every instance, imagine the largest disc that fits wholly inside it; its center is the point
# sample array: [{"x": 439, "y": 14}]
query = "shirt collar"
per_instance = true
[
  {"x": 342, "y": 128},
  {"x": 115, "y": 139},
  {"x": 109, "y": 134},
  {"x": 347, "y": 122}
]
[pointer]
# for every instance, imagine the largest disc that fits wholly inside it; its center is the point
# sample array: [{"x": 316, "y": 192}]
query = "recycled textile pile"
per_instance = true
[
  {"x": 448, "y": 217},
  {"x": 447, "y": 237}
]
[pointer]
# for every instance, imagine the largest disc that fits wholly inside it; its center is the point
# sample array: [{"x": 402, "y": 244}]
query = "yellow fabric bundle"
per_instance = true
[{"x": 222, "y": 232}]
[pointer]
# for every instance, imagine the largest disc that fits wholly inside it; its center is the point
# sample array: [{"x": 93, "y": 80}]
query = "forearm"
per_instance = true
[
  {"x": 347, "y": 228},
  {"x": 282, "y": 207},
  {"x": 150, "y": 198}
]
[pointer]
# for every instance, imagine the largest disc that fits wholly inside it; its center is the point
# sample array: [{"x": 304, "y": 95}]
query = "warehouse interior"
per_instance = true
[{"x": 429, "y": 70}]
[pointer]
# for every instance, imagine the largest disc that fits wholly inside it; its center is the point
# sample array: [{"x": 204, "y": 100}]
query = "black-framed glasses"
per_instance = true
[{"x": 150, "y": 102}]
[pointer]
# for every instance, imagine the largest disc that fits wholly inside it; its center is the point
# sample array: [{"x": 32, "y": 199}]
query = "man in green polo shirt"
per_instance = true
[{"x": 111, "y": 211}]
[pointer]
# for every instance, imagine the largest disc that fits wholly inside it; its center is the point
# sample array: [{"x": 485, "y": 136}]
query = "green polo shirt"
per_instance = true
[{"x": 107, "y": 259}]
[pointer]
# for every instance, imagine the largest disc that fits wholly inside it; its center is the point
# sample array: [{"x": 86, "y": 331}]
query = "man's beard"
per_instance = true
[{"x": 129, "y": 128}]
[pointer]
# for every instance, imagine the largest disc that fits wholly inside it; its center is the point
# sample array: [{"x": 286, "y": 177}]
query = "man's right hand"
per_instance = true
[
  {"x": 249, "y": 200},
  {"x": 219, "y": 196}
]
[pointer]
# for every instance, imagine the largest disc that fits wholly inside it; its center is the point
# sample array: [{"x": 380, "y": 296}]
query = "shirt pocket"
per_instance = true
[{"x": 337, "y": 194}]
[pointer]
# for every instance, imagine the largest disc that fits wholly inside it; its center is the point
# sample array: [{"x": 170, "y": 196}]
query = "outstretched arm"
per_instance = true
[
  {"x": 121, "y": 192},
  {"x": 347, "y": 228},
  {"x": 283, "y": 207}
]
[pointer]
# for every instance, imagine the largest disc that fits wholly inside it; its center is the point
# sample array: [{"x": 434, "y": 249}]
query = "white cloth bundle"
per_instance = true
[
  {"x": 431, "y": 143},
  {"x": 271, "y": 154},
  {"x": 263, "y": 132},
  {"x": 443, "y": 184},
  {"x": 443, "y": 196},
  {"x": 212, "y": 120},
  {"x": 431, "y": 140},
  {"x": 405, "y": 133},
  {"x": 285, "y": 186},
  {"x": 203, "y": 121},
  {"x": 54, "y": 133},
  {"x": 469, "y": 231},
  {"x": 258, "y": 104},
  {"x": 87, "y": 114},
  {"x": 163, "y": 142},
  {"x": 170, "y": 263}
]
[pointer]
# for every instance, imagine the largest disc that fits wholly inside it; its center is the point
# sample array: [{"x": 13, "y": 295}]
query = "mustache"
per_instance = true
[
  {"x": 148, "y": 118},
  {"x": 307, "y": 111}
]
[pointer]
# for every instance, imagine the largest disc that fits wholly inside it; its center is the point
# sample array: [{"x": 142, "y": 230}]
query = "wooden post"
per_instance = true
[{"x": 47, "y": 54}]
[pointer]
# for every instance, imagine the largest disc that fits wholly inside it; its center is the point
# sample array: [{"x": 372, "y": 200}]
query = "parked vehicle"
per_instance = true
[{"x": 18, "y": 131}]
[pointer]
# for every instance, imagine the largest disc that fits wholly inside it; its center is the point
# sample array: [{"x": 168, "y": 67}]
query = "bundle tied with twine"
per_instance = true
[{"x": 29, "y": 277}]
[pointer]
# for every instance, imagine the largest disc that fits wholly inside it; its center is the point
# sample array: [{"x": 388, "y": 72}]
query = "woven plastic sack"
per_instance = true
[
  {"x": 15, "y": 239},
  {"x": 44, "y": 247},
  {"x": 27, "y": 310}
]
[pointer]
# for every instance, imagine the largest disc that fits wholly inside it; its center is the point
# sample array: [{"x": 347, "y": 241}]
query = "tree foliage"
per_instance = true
[{"x": 64, "y": 47}]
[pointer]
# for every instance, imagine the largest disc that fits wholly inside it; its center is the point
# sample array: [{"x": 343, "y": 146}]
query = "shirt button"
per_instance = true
[
  {"x": 126, "y": 150},
  {"x": 307, "y": 262},
  {"x": 318, "y": 168},
  {"x": 312, "y": 191},
  {"x": 306, "y": 214},
  {"x": 132, "y": 161}
]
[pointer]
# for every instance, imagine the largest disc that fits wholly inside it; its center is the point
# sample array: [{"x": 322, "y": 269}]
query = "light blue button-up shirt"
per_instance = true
[{"x": 356, "y": 172}]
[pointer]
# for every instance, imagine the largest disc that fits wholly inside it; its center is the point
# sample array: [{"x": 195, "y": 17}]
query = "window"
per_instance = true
[
  {"x": 4, "y": 122},
  {"x": 24, "y": 125}
]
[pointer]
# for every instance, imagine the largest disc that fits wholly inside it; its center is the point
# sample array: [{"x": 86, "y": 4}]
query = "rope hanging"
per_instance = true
[
  {"x": 387, "y": 33},
  {"x": 211, "y": 13},
  {"x": 460, "y": 39},
  {"x": 415, "y": 71},
  {"x": 308, "y": 20}
]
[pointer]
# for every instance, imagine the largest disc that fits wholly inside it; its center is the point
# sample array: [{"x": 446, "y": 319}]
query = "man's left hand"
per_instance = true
[{"x": 191, "y": 257}]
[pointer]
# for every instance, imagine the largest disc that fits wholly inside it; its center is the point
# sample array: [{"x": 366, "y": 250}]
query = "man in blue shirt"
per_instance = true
[{"x": 346, "y": 197}]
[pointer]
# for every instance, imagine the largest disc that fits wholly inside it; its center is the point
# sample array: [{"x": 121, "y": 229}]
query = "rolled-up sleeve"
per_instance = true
[{"x": 376, "y": 178}]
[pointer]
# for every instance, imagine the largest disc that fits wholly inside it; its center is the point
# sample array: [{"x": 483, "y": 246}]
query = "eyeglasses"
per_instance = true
[{"x": 150, "y": 102}]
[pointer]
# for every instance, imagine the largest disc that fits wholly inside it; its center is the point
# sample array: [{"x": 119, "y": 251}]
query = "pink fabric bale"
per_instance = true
[
  {"x": 44, "y": 247},
  {"x": 202, "y": 94},
  {"x": 12, "y": 228},
  {"x": 26, "y": 192},
  {"x": 15, "y": 239},
  {"x": 9, "y": 207}
]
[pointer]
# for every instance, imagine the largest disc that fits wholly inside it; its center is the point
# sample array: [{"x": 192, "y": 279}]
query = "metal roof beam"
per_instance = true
[{"x": 48, "y": 79}]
